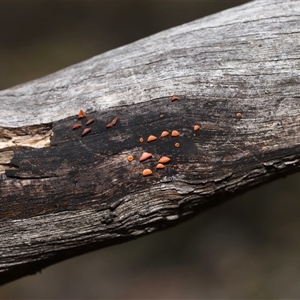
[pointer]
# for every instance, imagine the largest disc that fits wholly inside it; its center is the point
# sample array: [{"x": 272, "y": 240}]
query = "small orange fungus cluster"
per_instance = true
[
  {"x": 164, "y": 159},
  {"x": 151, "y": 138},
  {"x": 165, "y": 133},
  {"x": 160, "y": 165},
  {"x": 82, "y": 115}
]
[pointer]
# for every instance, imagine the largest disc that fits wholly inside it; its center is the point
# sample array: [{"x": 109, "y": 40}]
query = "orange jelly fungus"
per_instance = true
[
  {"x": 141, "y": 140},
  {"x": 196, "y": 127},
  {"x": 239, "y": 115},
  {"x": 164, "y": 134},
  {"x": 145, "y": 156},
  {"x": 151, "y": 138},
  {"x": 164, "y": 159},
  {"x": 81, "y": 114},
  {"x": 174, "y": 98},
  {"x": 75, "y": 126},
  {"x": 130, "y": 158},
  {"x": 147, "y": 172},
  {"x": 175, "y": 133},
  {"x": 160, "y": 166},
  {"x": 177, "y": 145},
  {"x": 90, "y": 121},
  {"x": 86, "y": 131},
  {"x": 114, "y": 121}
]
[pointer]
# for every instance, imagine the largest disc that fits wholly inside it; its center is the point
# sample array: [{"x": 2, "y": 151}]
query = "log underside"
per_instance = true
[{"x": 63, "y": 194}]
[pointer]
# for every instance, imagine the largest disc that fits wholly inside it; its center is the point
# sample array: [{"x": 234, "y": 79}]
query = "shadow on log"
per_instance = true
[{"x": 67, "y": 191}]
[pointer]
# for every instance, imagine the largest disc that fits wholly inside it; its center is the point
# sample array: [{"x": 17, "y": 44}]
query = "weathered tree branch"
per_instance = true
[{"x": 236, "y": 74}]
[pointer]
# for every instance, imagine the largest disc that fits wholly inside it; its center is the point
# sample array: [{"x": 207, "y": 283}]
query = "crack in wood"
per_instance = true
[{"x": 11, "y": 139}]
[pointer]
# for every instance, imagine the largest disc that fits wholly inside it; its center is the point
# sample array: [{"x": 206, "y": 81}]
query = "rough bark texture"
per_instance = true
[{"x": 236, "y": 74}]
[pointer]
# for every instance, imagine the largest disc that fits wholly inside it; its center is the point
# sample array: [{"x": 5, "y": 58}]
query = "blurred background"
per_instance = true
[{"x": 245, "y": 248}]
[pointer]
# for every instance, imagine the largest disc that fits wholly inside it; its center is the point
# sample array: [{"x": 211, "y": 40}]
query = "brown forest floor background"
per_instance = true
[{"x": 245, "y": 248}]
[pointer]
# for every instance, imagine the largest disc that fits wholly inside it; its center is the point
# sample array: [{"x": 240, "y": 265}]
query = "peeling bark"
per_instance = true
[{"x": 62, "y": 194}]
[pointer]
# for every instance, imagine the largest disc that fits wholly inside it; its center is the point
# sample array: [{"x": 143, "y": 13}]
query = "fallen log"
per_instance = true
[{"x": 65, "y": 191}]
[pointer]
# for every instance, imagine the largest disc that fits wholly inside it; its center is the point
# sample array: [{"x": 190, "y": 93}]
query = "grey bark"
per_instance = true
[{"x": 236, "y": 74}]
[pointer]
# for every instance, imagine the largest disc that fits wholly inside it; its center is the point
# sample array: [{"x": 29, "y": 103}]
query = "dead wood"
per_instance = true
[{"x": 236, "y": 75}]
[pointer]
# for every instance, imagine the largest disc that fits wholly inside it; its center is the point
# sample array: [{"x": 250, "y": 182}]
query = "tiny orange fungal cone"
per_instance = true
[
  {"x": 164, "y": 159},
  {"x": 81, "y": 114},
  {"x": 145, "y": 156},
  {"x": 196, "y": 127},
  {"x": 147, "y": 172},
  {"x": 151, "y": 138},
  {"x": 86, "y": 131},
  {"x": 164, "y": 134},
  {"x": 174, "y": 98},
  {"x": 89, "y": 121},
  {"x": 114, "y": 121},
  {"x": 177, "y": 145},
  {"x": 141, "y": 140},
  {"x": 160, "y": 166},
  {"x": 130, "y": 158},
  {"x": 175, "y": 133},
  {"x": 76, "y": 126}
]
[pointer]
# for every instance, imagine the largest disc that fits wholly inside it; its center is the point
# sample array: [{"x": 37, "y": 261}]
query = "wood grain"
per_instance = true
[{"x": 236, "y": 74}]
